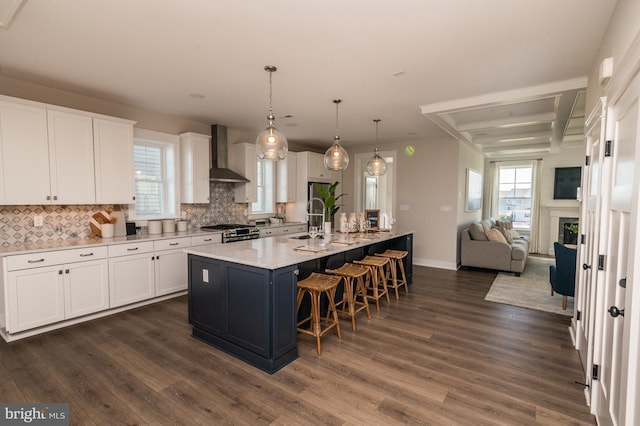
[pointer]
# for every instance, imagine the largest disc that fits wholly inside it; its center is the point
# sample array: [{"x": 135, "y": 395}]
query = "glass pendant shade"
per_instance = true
[
  {"x": 376, "y": 166},
  {"x": 336, "y": 157},
  {"x": 271, "y": 144}
]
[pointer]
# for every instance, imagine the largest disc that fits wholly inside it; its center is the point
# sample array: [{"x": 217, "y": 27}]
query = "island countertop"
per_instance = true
[{"x": 280, "y": 251}]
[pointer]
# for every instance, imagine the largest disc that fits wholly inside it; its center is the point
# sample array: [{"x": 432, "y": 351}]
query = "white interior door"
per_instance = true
[
  {"x": 583, "y": 318},
  {"x": 612, "y": 355}
]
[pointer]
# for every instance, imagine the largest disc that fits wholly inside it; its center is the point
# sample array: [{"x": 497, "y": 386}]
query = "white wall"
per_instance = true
[
  {"x": 427, "y": 189},
  {"x": 468, "y": 157}
]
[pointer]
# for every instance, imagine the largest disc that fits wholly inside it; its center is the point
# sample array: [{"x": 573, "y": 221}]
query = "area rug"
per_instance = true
[{"x": 530, "y": 290}]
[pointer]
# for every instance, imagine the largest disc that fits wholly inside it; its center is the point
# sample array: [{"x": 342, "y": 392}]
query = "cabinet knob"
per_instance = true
[{"x": 55, "y": 197}]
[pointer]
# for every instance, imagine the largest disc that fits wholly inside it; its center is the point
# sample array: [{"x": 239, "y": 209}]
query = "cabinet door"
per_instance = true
[
  {"x": 86, "y": 288},
  {"x": 194, "y": 156},
  {"x": 71, "y": 158},
  {"x": 316, "y": 169},
  {"x": 208, "y": 295},
  {"x": 35, "y": 298},
  {"x": 286, "y": 178},
  {"x": 243, "y": 160},
  {"x": 113, "y": 146},
  {"x": 131, "y": 279},
  {"x": 170, "y": 271},
  {"x": 24, "y": 155}
]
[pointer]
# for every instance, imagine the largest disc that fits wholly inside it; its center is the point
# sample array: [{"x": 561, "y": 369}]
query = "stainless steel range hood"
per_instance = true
[{"x": 219, "y": 171}]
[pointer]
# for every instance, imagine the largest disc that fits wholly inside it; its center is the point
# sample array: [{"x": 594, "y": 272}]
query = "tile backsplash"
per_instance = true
[{"x": 72, "y": 221}]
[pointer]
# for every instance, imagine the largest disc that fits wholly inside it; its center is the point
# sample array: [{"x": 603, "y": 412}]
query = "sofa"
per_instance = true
[{"x": 493, "y": 244}]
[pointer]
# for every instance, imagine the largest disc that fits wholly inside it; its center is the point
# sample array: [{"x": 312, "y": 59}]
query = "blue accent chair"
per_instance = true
[{"x": 562, "y": 275}]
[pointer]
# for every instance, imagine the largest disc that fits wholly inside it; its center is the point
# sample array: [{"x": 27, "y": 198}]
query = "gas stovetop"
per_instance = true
[{"x": 234, "y": 231}]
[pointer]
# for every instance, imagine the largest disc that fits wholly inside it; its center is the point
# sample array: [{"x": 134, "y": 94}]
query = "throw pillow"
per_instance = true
[
  {"x": 494, "y": 234},
  {"x": 507, "y": 235},
  {"x": 477, "y": 232},
  {"x": 514, "y": 233},
  {"x": 504, "y": 224}
]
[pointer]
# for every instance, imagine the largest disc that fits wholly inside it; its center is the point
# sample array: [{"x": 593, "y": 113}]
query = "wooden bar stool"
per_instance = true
[
  {"x": 378, "y": 282},
  {"x": 315, "y": 285},
  {"x": 353, "y": 277},
  {"x": 395, "y": 261}
]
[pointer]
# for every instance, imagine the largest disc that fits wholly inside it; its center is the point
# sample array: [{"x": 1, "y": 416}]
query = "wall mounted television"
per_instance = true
[{"x": 566, "y": 183}]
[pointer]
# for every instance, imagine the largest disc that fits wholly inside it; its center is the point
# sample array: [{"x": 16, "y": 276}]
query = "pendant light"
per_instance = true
[
  {"x": 271, "y": 144},
  {"x": 336, "y": 157},
  {"x": 376, "y": 166}
]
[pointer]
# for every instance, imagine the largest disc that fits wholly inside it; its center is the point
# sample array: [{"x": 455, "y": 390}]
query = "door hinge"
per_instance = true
[
  {"x": 607, "y": 148},
  {"x": 578, "y": 315},
  {"x": 583, "y": 238},
  {"x": 595, "y": 372},
  {"x": 587, "y": 160},
  {"x": 601, "y": 262}
]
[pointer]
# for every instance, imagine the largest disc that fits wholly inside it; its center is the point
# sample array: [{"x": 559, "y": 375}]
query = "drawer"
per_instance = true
[
  {"x": 37, "y": 260},
  {"x": 294, "y": 229},
  {"x": 171, "y": 243},
  {"x": 130, "y": 248},
  {"x": 203, "y": 240},
  {"x": 270, "y": 232}
]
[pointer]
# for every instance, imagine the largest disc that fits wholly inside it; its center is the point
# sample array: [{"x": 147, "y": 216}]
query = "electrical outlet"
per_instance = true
[{"x": 38, "y": 221}]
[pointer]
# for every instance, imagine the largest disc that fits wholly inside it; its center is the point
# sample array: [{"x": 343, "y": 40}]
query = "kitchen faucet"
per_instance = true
[{"x": 310, "y": 210}]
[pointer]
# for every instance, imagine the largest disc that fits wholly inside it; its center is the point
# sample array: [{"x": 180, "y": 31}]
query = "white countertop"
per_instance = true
[
  {"x": 280, "y": 251},
  {"x": 71, "y": 243}
]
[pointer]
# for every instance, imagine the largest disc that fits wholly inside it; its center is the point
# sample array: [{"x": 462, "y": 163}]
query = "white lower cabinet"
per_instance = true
[
  {"x": 36, "y": 298},
  {"x": 170, "y": 265},
  {"x": 41, "y": 295},
  {"x": 44, "y": 288},
  {"x": 131, "y": 273},
  {"x": 86, "y": 288}
]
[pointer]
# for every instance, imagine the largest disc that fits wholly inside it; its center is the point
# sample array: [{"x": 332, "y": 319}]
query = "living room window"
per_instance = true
[{"x": 515, "y": 194}]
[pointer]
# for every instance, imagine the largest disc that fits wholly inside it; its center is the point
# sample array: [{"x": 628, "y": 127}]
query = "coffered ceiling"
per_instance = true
[
  {"x": 534, "y": 120},
  {"x": 405, "y": 62}
]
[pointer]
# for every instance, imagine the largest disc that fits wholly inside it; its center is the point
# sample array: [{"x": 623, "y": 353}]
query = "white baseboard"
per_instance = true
[{"x": 434, "y": 264}]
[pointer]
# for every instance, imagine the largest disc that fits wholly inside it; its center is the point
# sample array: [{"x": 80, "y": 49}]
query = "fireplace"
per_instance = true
[{"x": 568, "y": 230}]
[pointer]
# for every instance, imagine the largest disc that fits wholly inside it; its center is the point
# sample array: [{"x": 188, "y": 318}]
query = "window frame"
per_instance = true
[
  {"x": 171, "y": 173},
  {"x": 515, "y": 184},
  {"x": 265, "y": 189}
]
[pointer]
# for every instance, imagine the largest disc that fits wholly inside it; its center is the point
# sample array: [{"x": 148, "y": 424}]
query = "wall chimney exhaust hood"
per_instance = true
[{"x": 219, "y": 171}]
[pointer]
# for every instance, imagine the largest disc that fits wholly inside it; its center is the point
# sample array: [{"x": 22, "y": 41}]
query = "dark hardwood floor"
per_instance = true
[{"x": 441, "y": 355}]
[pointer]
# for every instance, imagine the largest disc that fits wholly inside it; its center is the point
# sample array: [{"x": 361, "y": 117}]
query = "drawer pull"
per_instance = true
[
  {"x": 36, "y": 261},
  {"x": 207, "y": 239},
  {"x": 132, "y": 249},
  {"x": 86, "y": 254},
  {"x": 173, "y": 244}
]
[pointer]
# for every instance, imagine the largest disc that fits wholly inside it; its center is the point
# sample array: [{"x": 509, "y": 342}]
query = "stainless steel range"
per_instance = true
[{"x": 234, "y": 232}]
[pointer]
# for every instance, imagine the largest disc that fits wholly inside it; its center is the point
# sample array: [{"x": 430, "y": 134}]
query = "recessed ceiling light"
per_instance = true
[{"x": 197, "y": 96}]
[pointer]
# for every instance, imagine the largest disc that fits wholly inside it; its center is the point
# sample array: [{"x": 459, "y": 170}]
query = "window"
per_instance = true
[
  {"x": 265, "y": 182},
  {"x": 155, "y": 167},
  {"x": 515, "y": 195}
]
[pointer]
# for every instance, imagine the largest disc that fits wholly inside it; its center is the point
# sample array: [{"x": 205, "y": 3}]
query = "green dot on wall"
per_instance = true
[{"x": 409, "y": 150}]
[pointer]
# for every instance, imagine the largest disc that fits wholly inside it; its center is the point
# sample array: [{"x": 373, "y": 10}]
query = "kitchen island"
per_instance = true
[{"x": 242, "y": 296}]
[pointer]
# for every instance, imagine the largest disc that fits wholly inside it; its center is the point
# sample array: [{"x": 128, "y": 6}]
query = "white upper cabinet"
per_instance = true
[
  {"x": 71, "y": 158},
  {"x": 243, "y": 160},
  {"x": 194, "y": 155},
  {"x": 113, "y": 145},
  {"x": 56, "y": 155},
  {"x": 286, "y": 179},
  {"x": 24, "y": 154},
  {"x": 311, "y": 165}
]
